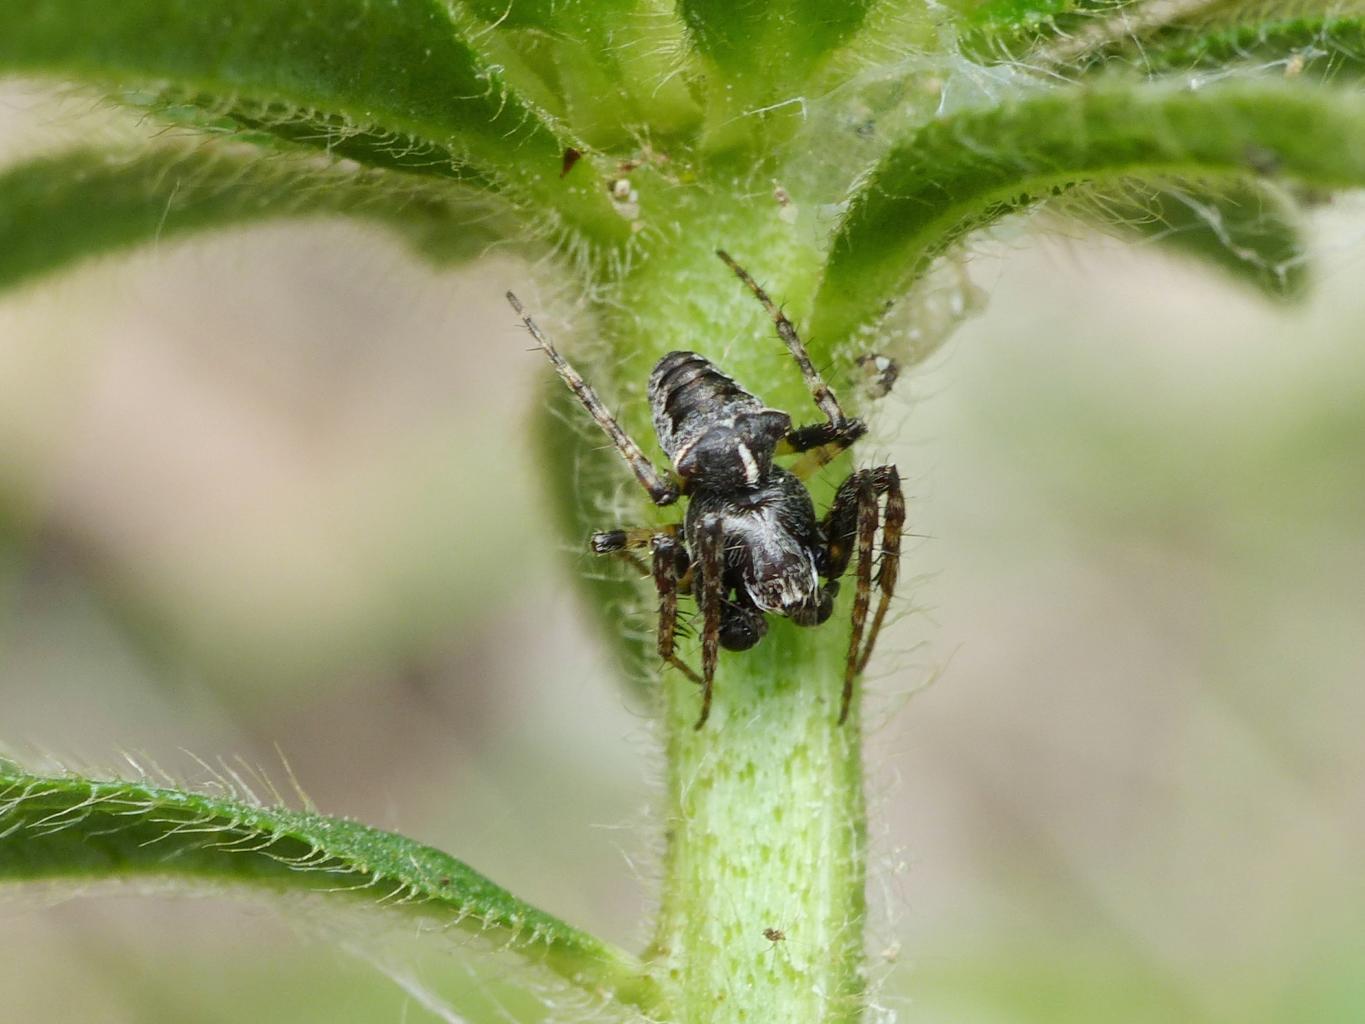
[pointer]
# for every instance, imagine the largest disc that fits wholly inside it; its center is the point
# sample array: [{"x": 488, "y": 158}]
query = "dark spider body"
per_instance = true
[
  {"x": 774, "y": 550},
  {"x": 721, "y": 440},
  {"x": 714, "y": 431},
  {"x": 751, "y": 544}
]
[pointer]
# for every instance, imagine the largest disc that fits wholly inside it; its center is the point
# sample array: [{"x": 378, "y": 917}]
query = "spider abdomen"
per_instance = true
[
  {"x": 713, "y": 430},
  {"x": 687, "y": 394}
]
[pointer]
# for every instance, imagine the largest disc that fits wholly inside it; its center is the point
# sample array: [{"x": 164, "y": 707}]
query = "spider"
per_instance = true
[{"x": 750, "y": 544}]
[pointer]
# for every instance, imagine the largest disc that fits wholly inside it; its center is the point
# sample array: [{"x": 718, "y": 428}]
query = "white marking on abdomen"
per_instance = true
[{"x": 750, "y": 466}]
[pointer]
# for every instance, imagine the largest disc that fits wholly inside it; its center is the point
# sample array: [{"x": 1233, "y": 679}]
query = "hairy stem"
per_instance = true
[
  {"x": 763, "y": 909},
  {"x": 765, "y": 819}
]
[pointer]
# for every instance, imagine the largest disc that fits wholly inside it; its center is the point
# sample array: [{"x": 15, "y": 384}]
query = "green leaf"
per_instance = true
[
  {"x": 572, "y": 452},
  {"x": 60, "y": 209},
  {"x": 1247, "y": 231},
  {"x": 1154, "y": 37},
  {"x": 970, "y": 169},
  {"x": 768, "y": 47},
  {"x": 77, "y": 829},
  {"x": 1318, "y": 46},
  {"x": 378, "y": 78},
  {"x": 611, "y": 65},
  {"x": 1001, "y": 30}
]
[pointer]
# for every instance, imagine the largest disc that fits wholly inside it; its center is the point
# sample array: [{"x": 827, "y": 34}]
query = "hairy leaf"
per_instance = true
[
  {"x": 598, "y": 24},
  {"x": 1063, "y": 36},
  {"x": 1247, "y": 231},
  {"x": 59, "y": 209},
  {"x": 1319, "y": 46},
  {"x": 610, "y": 64},
  {"x": 767, "y": 47},
  {"x": 970, "y": 169},
  {"x": 1005, "y": 29},
  {"x": 77, "y": 829},
  {"x": 378, "y": 79},
  {"x": 572, "y": 453}
]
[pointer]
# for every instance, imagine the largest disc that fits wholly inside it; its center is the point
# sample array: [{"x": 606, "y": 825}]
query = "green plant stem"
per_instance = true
[
  {"x": 765, "y": 817},
  {"x": 766, "y": 835}
]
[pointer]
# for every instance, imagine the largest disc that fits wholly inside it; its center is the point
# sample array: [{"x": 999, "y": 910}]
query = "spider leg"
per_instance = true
[
  {"x": 661, "y": 491},
  {"x": 669, "y": 554},
  {"x": 671, "y": 569},
  {"x": 711, "y": 560},
  {"x": 851, "y": 528},
  {"x": 634, "y": 561},
  {"x": 605, "y": 542},
  {"x": 819, "y": 445},
  {"x": 888, "y": 568},
  {"x": 622, "y": 544},
  {"x": 839, "y": 425},
  {"x": 867, "y": 529}
]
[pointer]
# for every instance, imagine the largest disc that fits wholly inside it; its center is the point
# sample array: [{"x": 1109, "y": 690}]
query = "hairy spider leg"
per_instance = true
[
  {"x": 622, "y": 544},
  {"x": 823, "y": 441},
  {"x": 669, "y": 553},
  {"x": 634, "y": 561},
  {"x": 671, "y": 569},
  {"x": 889, "y": 565},
  {"x": 820, "y": 444},
  {"x": 605, "y": 542},
  {"x": 818, "y": 449},
  {"x": 661, "y": 491},
  {"x": 867, "y": 530},
  {"x": 711, "y": 541},
  {"x": 819, "y": 390},
  {"x": 853, "y": 519}
]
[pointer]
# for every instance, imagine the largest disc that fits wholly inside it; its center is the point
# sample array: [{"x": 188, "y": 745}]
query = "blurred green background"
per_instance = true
[{"x": 279, "y": 490}]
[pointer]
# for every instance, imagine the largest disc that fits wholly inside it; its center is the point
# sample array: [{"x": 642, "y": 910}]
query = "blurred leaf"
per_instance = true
[
  {"x": 1154, "y": 38},
  {"x": 385, "y": 82},
  {"x": 15, "y": 531},
  {"x": 1248, "y": 232},
  {"x": 571, "y": 452},
  {"x": 1319, "y": 46},
  {"x": 59, "y": 209},
  {"x": 968, "y": 170},
  {"x": 1100, "y": 981},
  {"x": 768, "y": 47},
  {"x": 586, "y": 20},
  {"x": 1001, "y": 30},
  {"x": 1329, "y": 987},
  {"x": 76, "y": 829},
  {"x": 611, "y": 63}
]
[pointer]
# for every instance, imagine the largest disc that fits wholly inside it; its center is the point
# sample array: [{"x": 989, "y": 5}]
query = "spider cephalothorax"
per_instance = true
[{"x": 750, "y": 544}]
